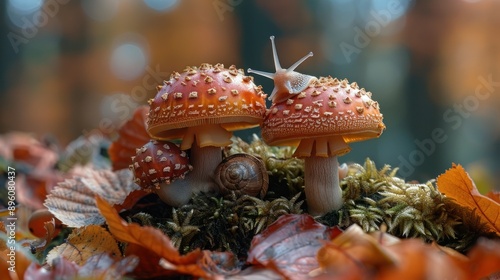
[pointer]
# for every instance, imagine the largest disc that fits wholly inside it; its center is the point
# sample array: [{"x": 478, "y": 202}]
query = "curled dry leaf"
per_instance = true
[
  {"x": 38, "y": 226},
  {"x": 290, "y": 245},
  {"x": 73, "y": 203},
  {"x": 49, "y": 227},
  {"x": 154, "y": 243},
  {"x": 131, "y": 135},
  {"x": 84, "y": 243},
  {"x": 457, "y": 184}
]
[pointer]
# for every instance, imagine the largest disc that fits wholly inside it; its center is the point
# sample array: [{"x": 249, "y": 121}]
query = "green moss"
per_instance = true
[{"x": 375, "y": 199}]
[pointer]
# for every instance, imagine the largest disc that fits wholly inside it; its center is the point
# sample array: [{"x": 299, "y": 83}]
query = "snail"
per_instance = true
[
  {"x": 242, "y": 174},
  {"x": 286, "y": 81}
]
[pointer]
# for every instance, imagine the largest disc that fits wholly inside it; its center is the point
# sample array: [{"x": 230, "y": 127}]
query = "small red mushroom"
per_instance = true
[
  {"x": 159, "y": 163},
  {"x": 202, "y": 106},
  {"x": 321, "y": 118}
]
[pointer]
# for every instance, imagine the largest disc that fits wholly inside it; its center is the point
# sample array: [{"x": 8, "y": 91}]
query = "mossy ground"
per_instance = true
[{"x": 374, "y": 199}]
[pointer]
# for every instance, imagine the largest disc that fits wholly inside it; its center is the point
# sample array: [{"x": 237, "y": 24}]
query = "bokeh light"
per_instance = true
[
  {"x": 128, "y": 60},
  {"x": 161, "y": 5},
  {"x": 20, "y": 12}
]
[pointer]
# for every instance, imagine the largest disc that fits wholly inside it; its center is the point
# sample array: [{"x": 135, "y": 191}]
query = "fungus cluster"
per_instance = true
[{"x": 203, "y": 105}]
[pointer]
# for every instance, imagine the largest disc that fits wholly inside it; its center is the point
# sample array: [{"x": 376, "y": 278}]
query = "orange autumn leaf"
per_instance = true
[
  {"x": 153, "y": 240},
  {"x": 495, "y": 195},
  {"x": 353, "y": 245},
  {"x": 357, "y": 255},
  {"x": 84, "y": 243},
  {"x": 290, "y": 244},
  {"x": 14, "y": 258},
  {"x": 457, "y": 184}
]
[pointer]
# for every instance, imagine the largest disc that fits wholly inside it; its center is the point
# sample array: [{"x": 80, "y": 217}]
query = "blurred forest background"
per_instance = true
[{"x": 68, "y": 67}]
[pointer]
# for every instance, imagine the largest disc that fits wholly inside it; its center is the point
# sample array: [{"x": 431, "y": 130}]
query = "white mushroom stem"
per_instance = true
[
  {"x": 323, "y": 192},
  {"x": 200, "y": 179}
]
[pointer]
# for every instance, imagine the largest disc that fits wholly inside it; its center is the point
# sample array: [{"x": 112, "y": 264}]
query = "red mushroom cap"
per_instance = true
[
  {"x": 159, "y": 162},
  {"x": 205, "y": 95},
  {"x": 326, "y": 109}
]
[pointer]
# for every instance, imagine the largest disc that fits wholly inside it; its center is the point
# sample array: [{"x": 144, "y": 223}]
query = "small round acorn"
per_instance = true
[{"x": 158, "y": 163}]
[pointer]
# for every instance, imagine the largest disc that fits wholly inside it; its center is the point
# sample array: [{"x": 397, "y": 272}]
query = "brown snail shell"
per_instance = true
[{"x": 242, "y": 174}]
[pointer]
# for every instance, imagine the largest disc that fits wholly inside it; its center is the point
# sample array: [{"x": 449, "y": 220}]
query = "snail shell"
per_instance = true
[{"x": 242, "y": 174}]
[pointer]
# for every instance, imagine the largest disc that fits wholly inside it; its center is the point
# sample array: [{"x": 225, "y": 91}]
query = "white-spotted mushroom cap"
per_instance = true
[
  {"x": 203, "y": 103},
  {"x": 323, "y": 118},
  {"x": 159, "y": 162}
]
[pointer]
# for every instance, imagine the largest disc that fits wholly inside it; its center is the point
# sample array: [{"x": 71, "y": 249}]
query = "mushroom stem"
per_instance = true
[
  {"x": 323, "y": 192},
  {"x": 200, "y": 179},
  {"x": 204, "y": 161}
]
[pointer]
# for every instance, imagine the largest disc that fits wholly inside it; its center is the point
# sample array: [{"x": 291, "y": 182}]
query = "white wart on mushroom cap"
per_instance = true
[
  {"x": 205, "y": 103},
  {"x": 159, "y": 162},
  {"x": 328, "y": 111}
]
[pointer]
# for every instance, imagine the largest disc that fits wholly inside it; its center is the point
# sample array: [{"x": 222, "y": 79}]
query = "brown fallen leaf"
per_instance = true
[
  {"x": 457, "y": 184},
  {"x": 484, "y": 259},
  {"x": 357, "y": 255},
  {"x": 154, "y": 241},
  {"x": 131, "y": 135},
  {"x": 494, "y": 195},
  {"x": 13, "y": 263},
  {"x": 290, "y": 244},
  {"x": 354, "y": 247},
  {"x": 83, "y": 243},
  {"x": 72, "y": 201},
  {"x": 50, "y": 229}
]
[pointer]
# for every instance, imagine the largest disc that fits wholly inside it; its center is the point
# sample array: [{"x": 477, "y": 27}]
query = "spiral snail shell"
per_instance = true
[{"x": 242, "y": 174}]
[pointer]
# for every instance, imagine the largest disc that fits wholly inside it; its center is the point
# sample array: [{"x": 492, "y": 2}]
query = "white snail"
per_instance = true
[{"x": 286, "y": 81}]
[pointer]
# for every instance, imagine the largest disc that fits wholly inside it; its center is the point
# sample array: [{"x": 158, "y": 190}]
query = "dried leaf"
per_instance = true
[
  {"x": 484, "y": 259},
  {"x": 14, "y": 259},
  {"x": 418, "y": 260},
  {"x": 494, "y": 195},
  {"x": 34, "y": 161},
  {"x": 132, "y": 135},
  {"x": 61, "y": 269},
  {"x": 49, "y": 227},
  {"x": 83, "y": 151},
  {"x": 357, "y": 255},
  {"x": 72, "y": 201},
  {"x": 103, "y": 266},
  {"x": 457, "y": 184},
  {"x": 153, "y": 240},
  {"x": 351, "y": 247},
  {"x": 291, "y": 243},
  {"x": 38, "y": 227},
  {"x": 84, "y": 243},
  {"x": 97, "y": 267}
]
